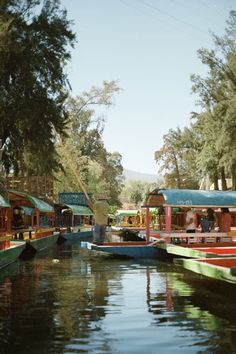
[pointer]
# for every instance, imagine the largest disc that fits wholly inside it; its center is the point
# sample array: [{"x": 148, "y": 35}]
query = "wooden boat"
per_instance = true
[
  {"x": 223, "y": 268},
  {"x": 31, "y": 220},
  {"x": 171, "y": 224},
  {"x": 11, "y": 253},
  {"x": 73, "y": 217},
  {"x": 9, "y": 250},
  {"x": 127, "y": 249},
  {"x": 82, "y": 234},
  {"x": 202, "y": 250}
]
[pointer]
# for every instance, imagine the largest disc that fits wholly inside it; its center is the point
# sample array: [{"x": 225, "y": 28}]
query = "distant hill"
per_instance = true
[{"x": 129, "y": 174}]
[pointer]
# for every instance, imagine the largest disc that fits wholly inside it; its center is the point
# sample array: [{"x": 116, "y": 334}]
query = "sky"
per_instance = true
[{"x": 150, "y": 48}]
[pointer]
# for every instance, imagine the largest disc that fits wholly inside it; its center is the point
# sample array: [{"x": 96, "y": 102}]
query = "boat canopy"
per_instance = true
[
  {"x": 40, "y": 204},
  {"x": 127, "y": 212},
  {"x": 133, "y": 212},
  {"x": 26, "y": 210},
  {"x": 190, "y": 198},
  {"x": 3, "y": 202},
  {"x": 78, "y": 209}
]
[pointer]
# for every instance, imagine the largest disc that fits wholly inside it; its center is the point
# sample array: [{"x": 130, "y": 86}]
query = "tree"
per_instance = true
[
  {"x": 217, "y": 94},
  {"x": 99, "y": 170},
  {"x": 135, "y": 191},
  {"x": 34, "y": 40},
  {"x": 175, "y": 160}
]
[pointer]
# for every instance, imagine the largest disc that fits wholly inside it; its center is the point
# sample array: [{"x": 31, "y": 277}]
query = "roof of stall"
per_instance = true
[
  {"x": 75, "y": 209},
  {"x": 79, "y": 209},
  {"x": 27, "y": 210},
  {"x": 131, "y": 212},
  {"x": 40, "y": 204},
  {"x": 191, "y": 198},
  {"x": 127, "y": 212},
  {"x": 3, "y": 202}
]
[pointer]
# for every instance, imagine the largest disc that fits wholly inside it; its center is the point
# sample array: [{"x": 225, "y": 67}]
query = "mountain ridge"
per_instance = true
[{"x": 134, "y": 175}]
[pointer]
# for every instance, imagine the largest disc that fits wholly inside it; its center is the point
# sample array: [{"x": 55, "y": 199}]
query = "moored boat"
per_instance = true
[
  {"x": 31, "y": 222},
  {"x": 217, "y": 268},
  {"x": 82, "y": 234},
  {"x": 9, "y": 250},
  {"x": 73, "y": 217},
  {"x": 202, "y": 250},
  {"x": 127, "y": 249},
  {"x": 171, "y": 224},
  {"x": 174, "y": 202}
]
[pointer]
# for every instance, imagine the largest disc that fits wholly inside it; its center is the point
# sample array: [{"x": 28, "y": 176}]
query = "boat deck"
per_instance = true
[
  {"x": 217, "y": 268},
  {"x": 202, "y": 251},
  {"x": 133, "y": 249}
]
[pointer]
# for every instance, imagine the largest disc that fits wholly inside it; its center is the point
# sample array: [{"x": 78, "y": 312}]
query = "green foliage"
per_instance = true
[
  {"x": 100, "y": 171},
  {"x": 176, "y": 157},
  {"x": 207, "y": 148},
  {"x": 217, "y": 94},
  {"x": 135, "y": 191},
  {"x": 34, "y": 40}
]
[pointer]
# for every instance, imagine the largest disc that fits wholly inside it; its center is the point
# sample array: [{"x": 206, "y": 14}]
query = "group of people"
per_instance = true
[{"x": 209, "y": 221}]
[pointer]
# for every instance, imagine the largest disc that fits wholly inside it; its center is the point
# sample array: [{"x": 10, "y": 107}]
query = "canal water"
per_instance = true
[{"x": 69, "y": 301}]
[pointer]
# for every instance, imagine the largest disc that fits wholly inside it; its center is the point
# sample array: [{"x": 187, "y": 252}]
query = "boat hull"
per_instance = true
[
  {"x": 40, "y": 244},
  {"x": 217, "y": 268},
  {"x": 128, "y": 249},
  {"x": 202, "y": 250},
  {"x": 77, "y": 236},
  {"x": 10, "y": 255}
]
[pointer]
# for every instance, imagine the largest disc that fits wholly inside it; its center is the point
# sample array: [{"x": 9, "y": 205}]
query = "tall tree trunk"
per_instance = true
[
  {"x": 216, "y": 184},
  {"x": 223, "y": 179},
  {"x": 177, "y": 170},
  {"x": 233, "y": 177}
]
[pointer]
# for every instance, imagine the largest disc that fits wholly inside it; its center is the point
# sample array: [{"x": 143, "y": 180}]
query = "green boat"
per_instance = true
[
  {"x": 217, "y": 268},
  {"x": 11, "y": 254}
]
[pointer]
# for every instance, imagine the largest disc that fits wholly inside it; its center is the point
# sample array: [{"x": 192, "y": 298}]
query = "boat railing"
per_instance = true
[{"x": 198, "y": 237}]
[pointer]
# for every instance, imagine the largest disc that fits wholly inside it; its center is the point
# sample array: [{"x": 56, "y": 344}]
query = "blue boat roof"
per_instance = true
[{"x": 191, "y": 198}]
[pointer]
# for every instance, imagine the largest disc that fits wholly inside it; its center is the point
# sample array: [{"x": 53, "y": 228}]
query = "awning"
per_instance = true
[
  {"x": 134, "y": 212},
  {"x": 128, "y": 212},
  {"x": 41, "y": 205},
  {"x": 3, "y": 202},
  {"x": 79, "y": 209},
  {"x": 27, "y": 210},
  {"x": 191, "y": 198},
  {"x": 36, "y": 202}
]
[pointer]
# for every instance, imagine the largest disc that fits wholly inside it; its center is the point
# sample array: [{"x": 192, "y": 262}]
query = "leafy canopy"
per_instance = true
[{"x": 34, "y": 39}]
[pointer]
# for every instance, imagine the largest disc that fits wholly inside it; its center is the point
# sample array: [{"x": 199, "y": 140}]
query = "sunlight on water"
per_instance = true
[{"x": 67, "y": 301}]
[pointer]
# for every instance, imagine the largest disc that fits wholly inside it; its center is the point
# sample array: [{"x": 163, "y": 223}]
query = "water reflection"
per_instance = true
[{"x": 68, "y": 301}]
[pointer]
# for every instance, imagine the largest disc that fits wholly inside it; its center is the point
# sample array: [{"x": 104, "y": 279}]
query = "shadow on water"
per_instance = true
[{"x": 69, "y": 301}]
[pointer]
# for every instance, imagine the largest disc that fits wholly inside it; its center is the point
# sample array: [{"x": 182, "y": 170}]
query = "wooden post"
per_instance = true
[
  {"x": 147, "y": 225},
  {"x": 8, "y": 219},
  {"x": 168, "y": 222},
  {"x": 37, "y": 219},
  {"x": 168, "y": 219}
]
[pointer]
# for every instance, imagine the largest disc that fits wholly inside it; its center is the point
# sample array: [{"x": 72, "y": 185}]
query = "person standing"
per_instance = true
[
  {"x": 100, "y": 209},
  {"x": 211, "y": 218},
  {"x": 189, "y": 223},
  {"x": 225, "y": 220}
]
